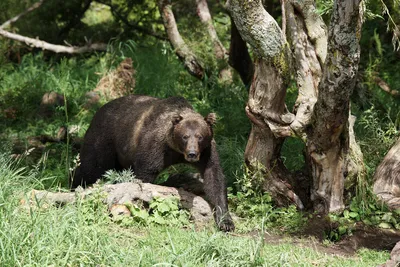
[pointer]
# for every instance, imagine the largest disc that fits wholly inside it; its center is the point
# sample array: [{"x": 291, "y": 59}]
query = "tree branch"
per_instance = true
[
  {"x": 385, "y": 87},
  {"x": 182, "y": 50},
  {"x": 205, "y": 17},
  {"x": 52, "y": 47},
  {"x": 306, "y": 58},
  {"x": 17, "y": 17}
]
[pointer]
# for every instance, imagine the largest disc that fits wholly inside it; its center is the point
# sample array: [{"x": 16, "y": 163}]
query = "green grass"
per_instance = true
[{"x": 82, "y": 234}]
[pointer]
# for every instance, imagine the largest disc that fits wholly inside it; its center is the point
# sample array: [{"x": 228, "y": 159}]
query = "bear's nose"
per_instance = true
[{"x": 192, "y": 155}]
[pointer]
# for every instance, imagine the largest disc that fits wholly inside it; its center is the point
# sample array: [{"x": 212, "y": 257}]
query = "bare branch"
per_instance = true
[
  {"x": 182, "y": 50},
  {"x": 17, "y": 17},
  {"x": 52, "y": 47},
  {"x": 205, "y": 17},
  {"x": 385, "y": 87},
  {"x": 283, "y": 17}
]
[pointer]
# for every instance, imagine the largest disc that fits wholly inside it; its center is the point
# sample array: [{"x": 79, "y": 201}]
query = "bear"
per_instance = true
[{"x": 149, "y": 134}]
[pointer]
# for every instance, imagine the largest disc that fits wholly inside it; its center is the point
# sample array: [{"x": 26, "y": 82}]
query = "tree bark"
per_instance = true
[
  {"x": 308, "y": 39},
  {"x": 182, "y": 50},
  {"x": 387, "y": 178},
  {"x": 328, "y": 142},
  {"x": 266, "y": 106},
  {"x": 323, "y": 74}
]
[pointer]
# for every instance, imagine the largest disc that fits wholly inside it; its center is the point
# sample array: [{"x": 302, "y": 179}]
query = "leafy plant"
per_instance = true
[
  {"x": 167, "y": 211},
  {"x": 251, "y": 202},
  {"x": 369, "y": 212},
  {"x": 161, "y": 211}
]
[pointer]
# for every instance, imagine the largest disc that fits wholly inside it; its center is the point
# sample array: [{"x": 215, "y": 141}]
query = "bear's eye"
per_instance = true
[
  {"x": 185, "y": 137},
  {"x": 200, "y": 138}
]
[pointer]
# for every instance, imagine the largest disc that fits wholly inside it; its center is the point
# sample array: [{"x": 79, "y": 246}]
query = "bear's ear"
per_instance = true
[
  {"x": 211, "y": 119},
  {"x": 176, "y": 118}
]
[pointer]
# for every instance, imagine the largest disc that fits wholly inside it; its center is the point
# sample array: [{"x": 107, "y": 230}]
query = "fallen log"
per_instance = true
[{"x": 125, "y": 194}]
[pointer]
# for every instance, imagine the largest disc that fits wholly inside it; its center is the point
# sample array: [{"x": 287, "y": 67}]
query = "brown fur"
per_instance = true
[{"x": 148, "y": 135}]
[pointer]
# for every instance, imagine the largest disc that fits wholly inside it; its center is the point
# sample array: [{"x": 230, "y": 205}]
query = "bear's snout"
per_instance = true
[{"x": 192, "y": 156}]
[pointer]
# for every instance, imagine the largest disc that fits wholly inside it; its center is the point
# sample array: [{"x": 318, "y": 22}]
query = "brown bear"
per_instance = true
[{"x": 148, "y": 134}]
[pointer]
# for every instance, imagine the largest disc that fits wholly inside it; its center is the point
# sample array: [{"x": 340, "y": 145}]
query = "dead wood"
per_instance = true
[
  {"x": 126, "y": 193},
  {"x": 37, "y": 43}
]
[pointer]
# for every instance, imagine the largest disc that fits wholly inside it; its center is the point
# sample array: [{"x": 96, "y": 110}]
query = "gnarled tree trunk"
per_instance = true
[
  {"x": 266, "y": 106},
  {"x": 325, "y": 78},
  {"x": 328, "y": 141}
]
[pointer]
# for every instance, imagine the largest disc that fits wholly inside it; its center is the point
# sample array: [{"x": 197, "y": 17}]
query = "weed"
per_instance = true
[{"x": 112, "y": 176}]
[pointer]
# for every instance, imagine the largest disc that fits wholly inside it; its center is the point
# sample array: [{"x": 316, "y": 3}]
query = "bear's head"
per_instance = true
[{"x": 192, "y": 134}]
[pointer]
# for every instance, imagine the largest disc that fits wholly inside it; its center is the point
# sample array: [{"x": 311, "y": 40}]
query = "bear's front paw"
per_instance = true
[{"x": 226, "y": 225}]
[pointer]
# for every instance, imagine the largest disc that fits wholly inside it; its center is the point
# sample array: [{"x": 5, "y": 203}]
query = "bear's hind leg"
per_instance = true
[{"x": 94, "y": 162}]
